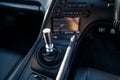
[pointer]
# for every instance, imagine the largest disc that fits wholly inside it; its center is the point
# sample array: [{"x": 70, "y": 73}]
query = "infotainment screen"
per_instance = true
[{"x": 66, "y": 24}]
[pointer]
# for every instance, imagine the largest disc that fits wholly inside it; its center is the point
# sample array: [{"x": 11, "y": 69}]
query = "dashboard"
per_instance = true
[{"x": 81, "y": 12}]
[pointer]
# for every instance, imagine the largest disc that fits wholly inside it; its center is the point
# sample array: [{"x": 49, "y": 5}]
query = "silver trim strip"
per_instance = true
[{"x": 64, "y": 68}]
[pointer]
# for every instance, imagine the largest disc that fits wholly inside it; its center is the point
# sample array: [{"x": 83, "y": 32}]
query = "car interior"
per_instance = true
[{"x": 59, "y": 39}]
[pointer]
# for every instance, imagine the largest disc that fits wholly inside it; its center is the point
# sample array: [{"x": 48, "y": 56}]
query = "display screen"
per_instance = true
[{"x": 66, "y": 24}]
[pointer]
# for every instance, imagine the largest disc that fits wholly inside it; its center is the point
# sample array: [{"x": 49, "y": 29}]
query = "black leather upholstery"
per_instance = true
[
  {"x": 8, "y": 63},
  {"x": 94, "y": 74}
]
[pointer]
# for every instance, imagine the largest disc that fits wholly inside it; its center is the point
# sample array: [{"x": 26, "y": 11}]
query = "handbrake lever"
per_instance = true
[{"x": 65, "y": 65}]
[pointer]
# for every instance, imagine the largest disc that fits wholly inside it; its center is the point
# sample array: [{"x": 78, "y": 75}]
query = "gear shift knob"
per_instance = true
[{"x": 47, "y": 37}]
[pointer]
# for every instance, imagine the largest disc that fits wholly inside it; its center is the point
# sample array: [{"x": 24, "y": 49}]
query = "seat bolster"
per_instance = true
[{"x": 8, "y": 62}]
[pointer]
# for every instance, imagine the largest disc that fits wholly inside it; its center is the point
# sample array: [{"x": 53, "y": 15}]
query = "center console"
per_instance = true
[{"x": 64, "y": 20}]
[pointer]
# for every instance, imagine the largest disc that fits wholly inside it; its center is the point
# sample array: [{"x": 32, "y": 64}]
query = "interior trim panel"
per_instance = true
[{"x": 21, "y": 6}]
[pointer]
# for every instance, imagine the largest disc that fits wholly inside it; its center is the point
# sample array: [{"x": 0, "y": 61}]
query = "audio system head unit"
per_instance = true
[{"x": 66, "y": 25}]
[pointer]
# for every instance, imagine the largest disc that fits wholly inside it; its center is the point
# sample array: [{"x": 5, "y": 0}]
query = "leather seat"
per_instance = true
[
  {"x": 8, "y": 63},
  {"x": 94, "y": 74}
]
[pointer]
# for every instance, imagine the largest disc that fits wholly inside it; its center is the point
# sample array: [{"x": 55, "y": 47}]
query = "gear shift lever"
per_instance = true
[
  {"x": 46, "y": 34},
  {"x": 51, "y": 53}
]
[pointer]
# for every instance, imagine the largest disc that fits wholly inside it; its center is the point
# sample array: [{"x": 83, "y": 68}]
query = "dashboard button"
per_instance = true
[
  {"x": 86, "y": 13},
  {"x": 58, "y": 11}
]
